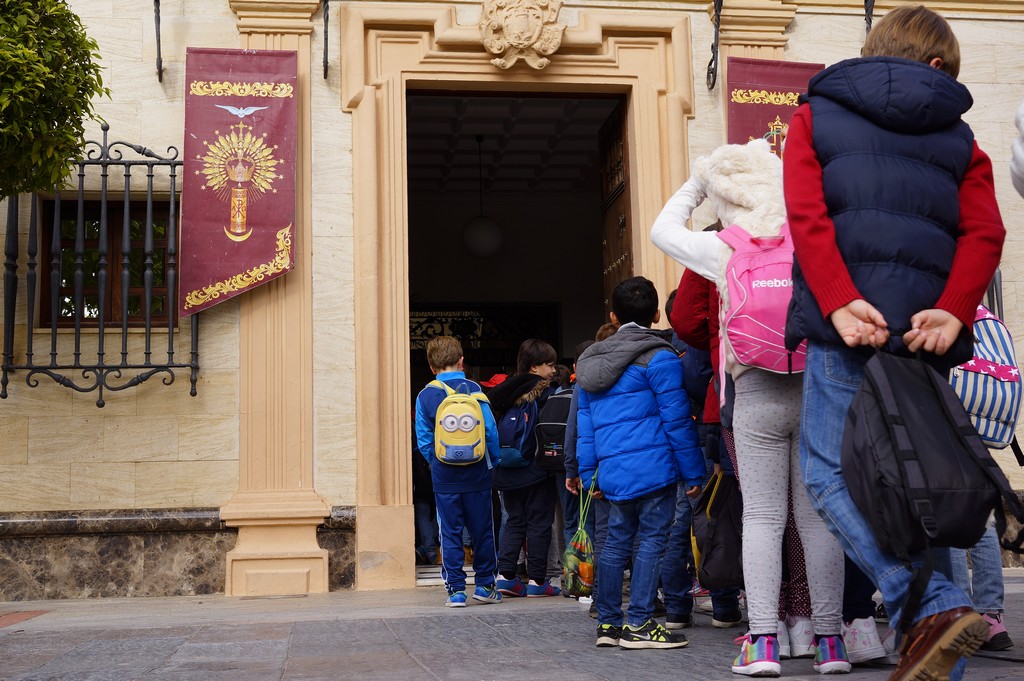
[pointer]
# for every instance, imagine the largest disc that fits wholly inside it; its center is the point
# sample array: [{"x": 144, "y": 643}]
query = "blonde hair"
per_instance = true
[
  {"x": 443, "y": 352},
  {"x": 917, "y": 33}
]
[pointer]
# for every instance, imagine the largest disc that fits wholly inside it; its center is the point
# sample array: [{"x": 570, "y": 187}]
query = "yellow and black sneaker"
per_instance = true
[
  {"x": 608, "y": 635},
  {"x": 650, "y": 635}
]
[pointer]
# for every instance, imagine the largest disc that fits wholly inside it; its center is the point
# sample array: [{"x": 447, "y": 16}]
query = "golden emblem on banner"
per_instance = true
[
  {"x": 774, "y": 135},
  {"x": 225, "y": 88},
  {"x": 521, "y": 29},
  {"x": 240, "y": 167},
  {"x": 741, "y": 96},
  {"x": 254, "y": 275}
]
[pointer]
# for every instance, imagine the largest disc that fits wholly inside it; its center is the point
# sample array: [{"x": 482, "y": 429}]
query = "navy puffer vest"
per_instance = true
[{"x": 893, "y": 152}]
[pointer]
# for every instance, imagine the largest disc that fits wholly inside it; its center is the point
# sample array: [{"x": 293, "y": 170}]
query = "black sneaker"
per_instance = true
[
  {"x": 593, "y": 611},
  {"x": 880, "y": 614},
  {"x": 650, "y": 635},
  {"x": 678, "y": 621},
  {"x": 659, "y": 608},
  {"x": 608, "y": 635}
]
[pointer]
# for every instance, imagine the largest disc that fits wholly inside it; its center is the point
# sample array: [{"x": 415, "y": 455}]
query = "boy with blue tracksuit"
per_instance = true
[
  {"x": 462, "y": 493},
  {"x": 634, "y": 426}
]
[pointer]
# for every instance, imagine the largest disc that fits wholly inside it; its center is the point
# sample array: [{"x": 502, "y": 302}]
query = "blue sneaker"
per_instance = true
[
  {"x": 831, "y": 657},
  {"x": 456, "y": 600},
  {"x": 487, "y": 594},
  {"x": 534, "y": 590},
  {"x": 511, "y": 587}
]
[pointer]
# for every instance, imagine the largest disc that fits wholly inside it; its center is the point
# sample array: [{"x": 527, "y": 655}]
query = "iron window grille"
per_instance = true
[{"x": 108, "y": 263}]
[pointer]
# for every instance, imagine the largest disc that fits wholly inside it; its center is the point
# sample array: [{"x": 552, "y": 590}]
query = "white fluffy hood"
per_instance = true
[{"x": 744, "y": 184}]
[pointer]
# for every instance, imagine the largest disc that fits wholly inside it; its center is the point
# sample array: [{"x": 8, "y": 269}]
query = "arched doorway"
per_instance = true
[{"x": 395, "y": 49}]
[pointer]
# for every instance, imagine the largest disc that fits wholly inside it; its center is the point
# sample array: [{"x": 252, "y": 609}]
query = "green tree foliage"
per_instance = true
[{"x": 49, "y": 75}]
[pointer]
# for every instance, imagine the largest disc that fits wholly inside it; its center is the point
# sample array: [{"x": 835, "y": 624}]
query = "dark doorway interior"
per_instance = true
[{"x": 532, "y": 163}]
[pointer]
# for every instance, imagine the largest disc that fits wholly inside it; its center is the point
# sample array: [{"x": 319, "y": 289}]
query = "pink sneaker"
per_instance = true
[{"x": 997, "y": 638}]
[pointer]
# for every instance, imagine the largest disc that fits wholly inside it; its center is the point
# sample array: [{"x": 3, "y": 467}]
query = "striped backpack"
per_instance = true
[{"x": 989, "y": 384}]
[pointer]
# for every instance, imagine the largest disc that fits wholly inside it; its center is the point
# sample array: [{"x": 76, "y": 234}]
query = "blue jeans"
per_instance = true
[
  {"x": 985, "y": 584},
  {"x": 647, "y": 519},
  {"x": 570, "y": 508},
  {"x": 831, "y": 379}
]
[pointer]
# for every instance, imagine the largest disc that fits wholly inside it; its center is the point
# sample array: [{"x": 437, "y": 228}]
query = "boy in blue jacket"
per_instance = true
[
  {"x": 462, "y": 493},
  {"x": 634, "y": 426}
]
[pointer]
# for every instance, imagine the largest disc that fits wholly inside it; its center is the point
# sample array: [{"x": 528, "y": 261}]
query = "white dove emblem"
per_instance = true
[{"x": 241, "y": 113}]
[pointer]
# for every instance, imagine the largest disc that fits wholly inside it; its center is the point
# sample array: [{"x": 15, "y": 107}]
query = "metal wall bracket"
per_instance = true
[{"x": 159, "y": 58}]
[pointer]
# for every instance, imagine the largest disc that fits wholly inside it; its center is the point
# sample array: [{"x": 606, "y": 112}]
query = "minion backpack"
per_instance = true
[{"x": 459, "y": 435}]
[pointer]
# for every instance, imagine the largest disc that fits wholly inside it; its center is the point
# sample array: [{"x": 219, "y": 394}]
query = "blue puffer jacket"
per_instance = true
[
  {"x": 893, "y": 151},
  {"x": 634, "y": 423}
]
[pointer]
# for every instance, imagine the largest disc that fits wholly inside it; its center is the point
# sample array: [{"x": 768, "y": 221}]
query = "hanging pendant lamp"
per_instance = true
[{"x": 482, "y": 234}]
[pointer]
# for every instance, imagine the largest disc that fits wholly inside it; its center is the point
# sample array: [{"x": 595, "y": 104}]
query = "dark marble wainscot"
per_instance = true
[
  {"x": 338, "y": 536},
  {"x": 144, "y": 552}
]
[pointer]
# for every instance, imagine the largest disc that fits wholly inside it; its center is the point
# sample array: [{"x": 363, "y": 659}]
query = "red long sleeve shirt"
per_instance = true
[
  {"x": 978, "y": 246},
  {"x": 694, "y": 318}
]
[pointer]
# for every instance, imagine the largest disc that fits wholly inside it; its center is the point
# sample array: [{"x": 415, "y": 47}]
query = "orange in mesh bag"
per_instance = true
[{"x": 578, "y": 559}]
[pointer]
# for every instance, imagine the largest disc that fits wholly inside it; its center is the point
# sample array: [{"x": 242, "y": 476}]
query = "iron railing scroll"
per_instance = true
[{"x": 93, "y": 311}]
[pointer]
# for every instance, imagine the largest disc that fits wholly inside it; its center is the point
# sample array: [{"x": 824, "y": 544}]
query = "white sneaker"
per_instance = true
[
  {"x": 862, "y": 642},
  {"x": 783, "y": 636},
  {"x": 801, "y": 637},
  {"x": 892, "y": 656},
  {"x": 706, "y": 605}
]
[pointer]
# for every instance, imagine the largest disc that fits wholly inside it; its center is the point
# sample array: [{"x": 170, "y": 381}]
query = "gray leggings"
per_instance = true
[{"x": 766, "y": 423}]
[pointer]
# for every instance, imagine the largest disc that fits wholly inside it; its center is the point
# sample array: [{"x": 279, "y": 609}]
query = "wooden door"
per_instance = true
[{"x": 617, "y": 227}]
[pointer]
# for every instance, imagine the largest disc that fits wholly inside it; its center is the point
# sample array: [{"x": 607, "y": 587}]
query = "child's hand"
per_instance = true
[
  {"x": 597, "y": 494},
  {"x": 693, "y": 492},
  {"x": 860, "y": 323},
  {"x": 932, "y": 331},
  {"x": 573, "y": 485}
]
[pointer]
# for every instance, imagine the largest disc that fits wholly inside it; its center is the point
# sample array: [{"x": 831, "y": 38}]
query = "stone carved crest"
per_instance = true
[{"x": 521, "y": 29}]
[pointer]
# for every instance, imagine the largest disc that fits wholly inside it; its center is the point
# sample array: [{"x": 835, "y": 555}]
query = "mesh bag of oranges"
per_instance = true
[{"x": 578, "y": 559}]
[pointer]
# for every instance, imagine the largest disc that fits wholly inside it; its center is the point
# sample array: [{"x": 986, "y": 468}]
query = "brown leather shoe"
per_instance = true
[{"x": 936, "y": 643}]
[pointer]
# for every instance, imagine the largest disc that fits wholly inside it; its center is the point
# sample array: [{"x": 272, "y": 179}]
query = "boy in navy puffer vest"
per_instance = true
[
  {"x": 893, "y": 214},
  {"x": 635, "y": 433}
]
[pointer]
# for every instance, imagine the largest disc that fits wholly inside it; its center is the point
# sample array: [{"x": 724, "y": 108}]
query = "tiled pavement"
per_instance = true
[{"x": 386, "y": 635}]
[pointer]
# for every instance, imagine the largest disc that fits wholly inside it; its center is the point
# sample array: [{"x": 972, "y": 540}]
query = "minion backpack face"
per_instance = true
[{"x": 459, "y": 436}]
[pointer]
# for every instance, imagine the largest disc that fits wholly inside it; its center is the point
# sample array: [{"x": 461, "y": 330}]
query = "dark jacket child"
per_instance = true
[
  {"x": 527, "y": 493},
  {"x": 635, "y": 432},
  {"x": 462, "y": 493},
  {"x": 899, "y": 270}
]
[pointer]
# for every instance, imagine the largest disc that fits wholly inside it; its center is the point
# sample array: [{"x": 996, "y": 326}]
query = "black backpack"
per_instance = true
[
  {"x": 550, "y": 431},
  {"x": 717, "y": 534},
  {"x": 917, "y": 469}
]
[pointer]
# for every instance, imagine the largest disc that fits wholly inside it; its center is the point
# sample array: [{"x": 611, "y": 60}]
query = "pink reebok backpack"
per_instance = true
[{"x": 760, "y": 281}]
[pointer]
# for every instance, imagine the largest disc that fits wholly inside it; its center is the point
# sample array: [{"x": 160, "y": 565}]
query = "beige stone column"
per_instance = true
[
  {"x": 752, "y": 28},
  {"x": 276, "y": 509}
]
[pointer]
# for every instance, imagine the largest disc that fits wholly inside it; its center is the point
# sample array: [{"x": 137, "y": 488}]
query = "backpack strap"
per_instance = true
[
  {"x": 443, "y": 386},
  {"x": 735, "y": 236},
  {"x": 995, "y": 474},
  {"x": 1015, "y": 446},
  {"x": 480, "y": 397},
  {"x": 915, "y": 480},
  {"x": 916, "y": 486},
  {"x": 739, "y": 238}
]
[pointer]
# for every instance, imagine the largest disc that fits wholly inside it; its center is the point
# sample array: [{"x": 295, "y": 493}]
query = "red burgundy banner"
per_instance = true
[
  {"x": 238, "y": 189},
  {"x": 763, "y": 95}
]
